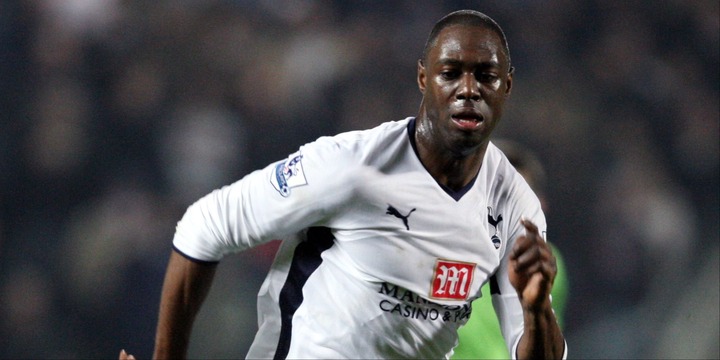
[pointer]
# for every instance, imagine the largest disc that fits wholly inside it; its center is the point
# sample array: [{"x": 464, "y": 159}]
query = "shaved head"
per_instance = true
[{"x": 466, "y": 18}]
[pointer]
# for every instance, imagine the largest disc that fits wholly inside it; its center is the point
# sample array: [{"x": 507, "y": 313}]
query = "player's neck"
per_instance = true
[{"x": 452, "y": 170}]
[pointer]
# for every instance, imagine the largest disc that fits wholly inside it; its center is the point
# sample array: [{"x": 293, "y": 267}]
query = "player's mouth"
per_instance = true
[{"x": 467, "y": 120}]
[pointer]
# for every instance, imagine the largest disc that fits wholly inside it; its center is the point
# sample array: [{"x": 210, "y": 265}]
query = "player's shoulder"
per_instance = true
[
  {"x": 500, "y": 165},
  {"x": 507, "y": 182},
  {"x": 359, "y": 142},
  {"x": 386, "y": 130}
]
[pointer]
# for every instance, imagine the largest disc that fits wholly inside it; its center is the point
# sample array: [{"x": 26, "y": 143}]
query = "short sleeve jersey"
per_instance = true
[{"x": 378, "y": 259}]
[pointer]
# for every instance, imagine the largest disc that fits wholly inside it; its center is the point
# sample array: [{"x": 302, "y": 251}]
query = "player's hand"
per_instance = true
[
  {"x": 125, "y": 356},
  {"x": 532, "y": 268}
]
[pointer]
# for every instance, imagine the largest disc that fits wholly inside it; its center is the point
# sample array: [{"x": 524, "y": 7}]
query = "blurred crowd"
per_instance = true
[{"x": 115, "y": 115}]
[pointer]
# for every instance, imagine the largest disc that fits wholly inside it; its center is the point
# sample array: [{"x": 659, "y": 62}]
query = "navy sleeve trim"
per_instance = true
[{"x": 198, "y": 261}]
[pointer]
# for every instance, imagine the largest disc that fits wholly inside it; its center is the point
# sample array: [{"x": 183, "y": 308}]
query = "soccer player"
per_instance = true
[
  {"x": 388, "y": 233},
  {"x": 483, "y": 323}
]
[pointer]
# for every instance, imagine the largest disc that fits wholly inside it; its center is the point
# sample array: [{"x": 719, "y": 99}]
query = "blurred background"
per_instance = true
[{"x": 115, "y": 115}]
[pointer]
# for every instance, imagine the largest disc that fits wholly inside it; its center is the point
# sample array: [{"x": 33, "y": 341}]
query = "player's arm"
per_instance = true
[
  {"x": 264, "y": 205},
  {"x": 532, "y": 269},
  {"x": 186, "y": 285}
]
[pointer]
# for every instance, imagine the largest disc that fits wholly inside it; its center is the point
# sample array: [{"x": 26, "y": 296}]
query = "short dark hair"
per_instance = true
[{"x": 469, "y": 18}]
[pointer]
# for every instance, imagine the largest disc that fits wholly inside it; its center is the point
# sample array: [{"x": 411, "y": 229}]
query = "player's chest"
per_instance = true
[{"x": 426, "y": 241}]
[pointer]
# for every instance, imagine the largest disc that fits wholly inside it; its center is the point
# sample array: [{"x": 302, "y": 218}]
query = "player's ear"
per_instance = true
[
  {"x": 421, "y": 76},
  {"x": 509, "y": 82}
]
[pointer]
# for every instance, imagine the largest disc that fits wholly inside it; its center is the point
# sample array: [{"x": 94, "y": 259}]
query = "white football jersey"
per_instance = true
[{"x": 378, "y": 259}]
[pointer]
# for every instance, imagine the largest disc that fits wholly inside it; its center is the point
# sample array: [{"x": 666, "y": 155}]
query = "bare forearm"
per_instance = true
[
  {"x": 185, "y": 287},
  {"x": 532, "y": 269},
  {"x": 542, "y": 338}
]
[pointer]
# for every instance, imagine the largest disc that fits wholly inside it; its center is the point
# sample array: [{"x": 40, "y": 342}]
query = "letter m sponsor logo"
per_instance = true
[{"x": 452, "y": 280}]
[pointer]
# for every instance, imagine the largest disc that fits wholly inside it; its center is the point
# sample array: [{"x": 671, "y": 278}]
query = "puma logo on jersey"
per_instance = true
[
  {"x": 391, "y": 210},
  {"x": 494, "y": 222}
]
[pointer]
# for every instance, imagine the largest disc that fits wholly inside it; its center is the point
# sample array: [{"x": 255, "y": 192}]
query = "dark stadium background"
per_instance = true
[{"x": 116, "y": 114}]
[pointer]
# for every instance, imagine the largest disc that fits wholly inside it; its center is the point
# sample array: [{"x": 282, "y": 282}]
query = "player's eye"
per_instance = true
[
  {"x": 485, "y": 77},
  {"x": 449, "y": 74}
]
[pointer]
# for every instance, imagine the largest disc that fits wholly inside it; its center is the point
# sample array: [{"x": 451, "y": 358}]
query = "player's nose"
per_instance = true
[{"x": 468, "y": 88}]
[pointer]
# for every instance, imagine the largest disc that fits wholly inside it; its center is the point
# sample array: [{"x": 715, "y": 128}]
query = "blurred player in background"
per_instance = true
[
  {"x": 388, "y": 233},
  {"x": 481, "y": 338}
]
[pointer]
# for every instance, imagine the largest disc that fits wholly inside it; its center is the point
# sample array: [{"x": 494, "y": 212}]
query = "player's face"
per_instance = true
[{"x": 465, "y": 81}]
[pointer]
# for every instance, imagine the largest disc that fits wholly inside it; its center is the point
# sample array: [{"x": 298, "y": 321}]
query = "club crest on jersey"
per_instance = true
[
  {"x": 497, "y": 242},
  {"x": 288, "y": 174},
  {"x": 452, "y": 280}
]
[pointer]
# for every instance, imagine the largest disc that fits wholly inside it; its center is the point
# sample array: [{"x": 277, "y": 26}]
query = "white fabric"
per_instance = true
[{"x": 372, "y": 296}]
